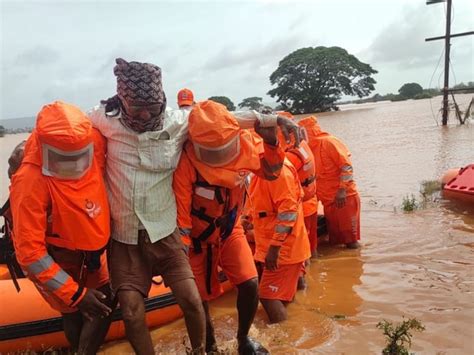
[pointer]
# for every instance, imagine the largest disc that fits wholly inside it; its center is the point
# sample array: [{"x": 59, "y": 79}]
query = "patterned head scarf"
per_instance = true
[{"x": 140, "y": 83}]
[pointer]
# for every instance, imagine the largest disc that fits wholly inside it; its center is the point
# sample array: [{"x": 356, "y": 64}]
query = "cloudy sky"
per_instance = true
[{"x": 66, "y": 49}]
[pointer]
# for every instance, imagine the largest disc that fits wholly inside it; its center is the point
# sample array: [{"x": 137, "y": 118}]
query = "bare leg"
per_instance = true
[
  {"x": 302, "y": 285},
  {"x": 211, "y": 344},
  {"x": 94, "y": 332},
  {"x": 275, "y": 309},
  {"x": 72, "y": 324},
  {"x": 187, "y": 296},
  {"x": 133, "y": 312},
  {"x": 247, "y": 303}
]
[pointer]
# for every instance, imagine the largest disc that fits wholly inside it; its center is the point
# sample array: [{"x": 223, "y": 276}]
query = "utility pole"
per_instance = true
[{"x": 447, "y": 47}]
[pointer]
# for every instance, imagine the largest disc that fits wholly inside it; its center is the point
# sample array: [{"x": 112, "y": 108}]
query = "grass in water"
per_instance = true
[
  {"x": 409, "y": 204},
  {"x": 429, "y": 188},
  {"x": 399, "y": 336},
  {"x": 429, "y": 192}
]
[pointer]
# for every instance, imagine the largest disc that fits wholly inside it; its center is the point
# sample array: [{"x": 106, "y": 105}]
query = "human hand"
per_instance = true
[
  {"x": 288, "y": 128},
  {"x": 340, "y": 200},
  {"x": 92, "y": 305},
  {"x": 271, "y": 259},
  {"x": 269, "y": 134},
  {"x": 246, "y": 223}
]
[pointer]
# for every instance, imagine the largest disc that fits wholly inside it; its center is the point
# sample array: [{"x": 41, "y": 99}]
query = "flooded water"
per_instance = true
[{"x": 418, "y": 264}]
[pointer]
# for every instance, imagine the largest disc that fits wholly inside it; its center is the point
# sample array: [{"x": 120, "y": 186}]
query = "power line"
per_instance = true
[{"x": 429, "y": 87}]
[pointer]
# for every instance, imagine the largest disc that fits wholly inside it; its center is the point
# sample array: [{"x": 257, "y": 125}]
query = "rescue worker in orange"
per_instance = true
[
  {"x": 61, "y": 222},
  {"x": 336, "y": 188},
  {"x": 209, "y": 184},
  {"x": 186, "y": 99},
  {"x": 302, "y": 159},
  {"x": 282, "y": 244}
]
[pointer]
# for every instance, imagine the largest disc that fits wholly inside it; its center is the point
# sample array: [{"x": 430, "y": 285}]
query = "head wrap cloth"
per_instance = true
[{"x": 140, "y": 83}]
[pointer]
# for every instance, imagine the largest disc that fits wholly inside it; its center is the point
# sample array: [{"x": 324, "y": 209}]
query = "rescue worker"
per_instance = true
[
  {"x": 186, "y": 99},
  {"x": 302, "y": 159},
  {"x": 336, "y": 188},
  {"x": 209, "y": 184},
  {"x": 282, "y": 244},
  {"x": 144, "y": 143},
  {"x": 61, "y": 221}
]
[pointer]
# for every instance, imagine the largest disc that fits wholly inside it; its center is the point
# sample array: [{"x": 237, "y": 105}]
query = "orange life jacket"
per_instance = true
[{"x": 214, "y": 212}]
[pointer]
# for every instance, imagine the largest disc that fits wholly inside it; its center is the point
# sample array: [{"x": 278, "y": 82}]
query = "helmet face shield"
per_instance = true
[
  {"x": 67, "y": 164},
  {"x": 218, "y": 156}
]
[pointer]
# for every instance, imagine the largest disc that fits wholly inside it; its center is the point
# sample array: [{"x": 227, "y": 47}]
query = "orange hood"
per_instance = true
[
  {"x": 312, "y": 127},
  {"x": 211, "y": 125}
]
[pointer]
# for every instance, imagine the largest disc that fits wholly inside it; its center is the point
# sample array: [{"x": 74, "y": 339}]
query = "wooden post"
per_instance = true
[{"x": 447, "y": 47}]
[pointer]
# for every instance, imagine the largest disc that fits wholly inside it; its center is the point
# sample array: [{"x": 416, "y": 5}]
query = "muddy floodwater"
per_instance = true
[{"x": 417, "y": 264}]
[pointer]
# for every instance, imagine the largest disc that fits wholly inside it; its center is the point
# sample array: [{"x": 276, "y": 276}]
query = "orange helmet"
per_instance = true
[
  {"x": 215, "y": 133},
  {"x": 185, "y": 97},
  {"x": 311, "y": 126},
  {"x": 66, "y": 138}
]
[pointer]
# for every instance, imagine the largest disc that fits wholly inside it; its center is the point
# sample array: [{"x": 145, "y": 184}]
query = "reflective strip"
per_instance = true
[
  {"x": 185, "y": 231},
  {"x": 279, "y": 228},
  {"x": 41, "y": 265},
  {"x": 57, "y": 281},
  {"x": 346, "y": 177},
  {"x": 303, "y": 152},
  {"x": 346, "y": 168},
  {"x": 287, "y": 216}
]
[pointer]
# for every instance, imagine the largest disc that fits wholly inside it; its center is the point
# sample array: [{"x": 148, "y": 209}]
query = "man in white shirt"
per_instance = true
[{"x": 144, "y": 143}]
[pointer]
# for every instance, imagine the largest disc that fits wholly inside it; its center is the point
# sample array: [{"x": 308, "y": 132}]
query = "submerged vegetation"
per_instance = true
[
  {"x": 409, "y": 203},
  {"x": 399, "y": 336},
  {"x": 429, "y": 192}
]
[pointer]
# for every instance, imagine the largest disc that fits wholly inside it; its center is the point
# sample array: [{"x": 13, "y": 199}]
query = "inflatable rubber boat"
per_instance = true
[
  {"x": 459, "y": 184},
  {"x": 27, "y": 322}
]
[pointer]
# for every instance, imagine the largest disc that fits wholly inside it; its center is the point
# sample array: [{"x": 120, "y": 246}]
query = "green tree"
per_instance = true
[
  {"x": 313, "y": 79},
  {"x": 253, "y": 103},
  {"x": 410, "y": 90},
  {"x": 224, "y": 100},
  {"x": 2, "y": 131}
]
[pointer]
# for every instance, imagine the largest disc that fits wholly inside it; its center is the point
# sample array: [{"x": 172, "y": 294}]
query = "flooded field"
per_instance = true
[{"x": 416, "y": 264}]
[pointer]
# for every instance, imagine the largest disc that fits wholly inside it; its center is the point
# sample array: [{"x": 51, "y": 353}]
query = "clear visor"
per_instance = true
[
  {"x": 218, "y": 156},
  {"x": 67, "y": 165}
]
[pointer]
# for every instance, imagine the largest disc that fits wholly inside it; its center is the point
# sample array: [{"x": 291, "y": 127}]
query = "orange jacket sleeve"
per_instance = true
[
  {"x": 29, "y": 203},
  {"x": 285, "y": 198},
  {"x": 183, "y": 180},
  {"x": 271, "y": 162},
  {"x": 340, "y": 155}
]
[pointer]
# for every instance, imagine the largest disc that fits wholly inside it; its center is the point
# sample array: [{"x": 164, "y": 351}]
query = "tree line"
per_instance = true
[{"x": 313, "y": 79}]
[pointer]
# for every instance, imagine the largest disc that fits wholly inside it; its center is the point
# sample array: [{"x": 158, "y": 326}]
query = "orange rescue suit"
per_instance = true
[
  {"x": 71, "y": 214},
  {"x": 332, "y": 160},
  {"x": 277, "y": 215},
  {"x": 209, "y": 197}
]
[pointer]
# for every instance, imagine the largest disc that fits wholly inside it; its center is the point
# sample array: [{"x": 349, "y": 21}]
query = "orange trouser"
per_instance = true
[
  {"x": 281, "y": 283},
  {"x": 233, "y": 256},
  {"x": 344, "y": 223},
  {"x": 311, "y": 223}
]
